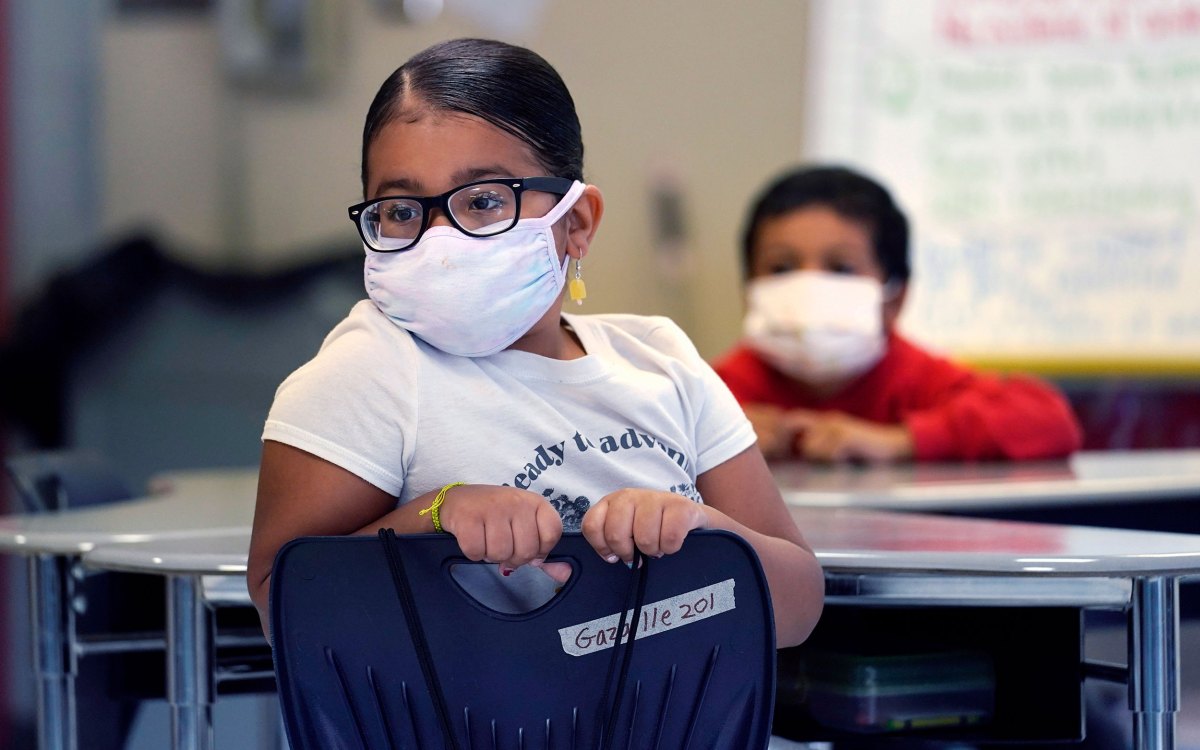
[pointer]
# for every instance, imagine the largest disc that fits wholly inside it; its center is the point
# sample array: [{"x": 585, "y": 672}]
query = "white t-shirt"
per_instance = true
[{"x": 642, "y": 409}]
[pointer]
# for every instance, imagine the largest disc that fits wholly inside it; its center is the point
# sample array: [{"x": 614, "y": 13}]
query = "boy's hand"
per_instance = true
[
  {"x": 775, "y": 435},
  {"x": 655, "y": 522},
  {"x": 836, "y": 436},
  {"x": 503, "y": 525}
]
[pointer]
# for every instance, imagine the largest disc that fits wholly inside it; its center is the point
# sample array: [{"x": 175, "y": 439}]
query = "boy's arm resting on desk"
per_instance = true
[
  {"x": 987, "y": 416},
  {"x": 837, "y": 436},
  {"x": 775, "y": 436},
  {"x": 948, "y": 410},
  {"x": 826, "y": 435},
  {"x": 740, "y": 495}
]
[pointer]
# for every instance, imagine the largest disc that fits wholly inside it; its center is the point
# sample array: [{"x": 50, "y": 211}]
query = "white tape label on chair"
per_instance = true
[{"x": 656, "y": 617}]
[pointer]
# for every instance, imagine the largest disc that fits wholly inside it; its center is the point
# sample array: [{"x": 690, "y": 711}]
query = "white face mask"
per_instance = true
[
  {"x": 816, "y": 327},
  {"x": 472, "y": 296}
]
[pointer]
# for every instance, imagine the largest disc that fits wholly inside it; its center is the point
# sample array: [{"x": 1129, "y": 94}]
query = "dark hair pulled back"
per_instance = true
[{"x": 510, "y": 87}]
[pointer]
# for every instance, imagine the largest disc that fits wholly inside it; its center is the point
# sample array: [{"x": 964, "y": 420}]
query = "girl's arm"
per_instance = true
[
  {"x": 740, "y": 496},
  {"x": 300, "y": 494}
]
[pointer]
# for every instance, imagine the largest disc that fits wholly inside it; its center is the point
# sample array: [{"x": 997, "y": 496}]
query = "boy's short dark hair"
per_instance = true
[{"x": 850, "y": 194}]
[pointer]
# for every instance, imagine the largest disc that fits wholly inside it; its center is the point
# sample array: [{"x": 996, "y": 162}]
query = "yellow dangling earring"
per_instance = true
[{"x": 576, "y": 289}]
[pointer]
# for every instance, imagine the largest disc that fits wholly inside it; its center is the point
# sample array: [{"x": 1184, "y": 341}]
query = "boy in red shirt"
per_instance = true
[{"x": 822, "y": 372}]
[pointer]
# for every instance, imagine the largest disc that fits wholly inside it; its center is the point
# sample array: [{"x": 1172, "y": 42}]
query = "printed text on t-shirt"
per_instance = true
[{"x": 550, "y": 455}]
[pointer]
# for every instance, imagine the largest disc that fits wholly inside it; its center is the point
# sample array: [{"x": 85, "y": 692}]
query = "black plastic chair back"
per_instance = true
[{"x": 378, "y": 647}]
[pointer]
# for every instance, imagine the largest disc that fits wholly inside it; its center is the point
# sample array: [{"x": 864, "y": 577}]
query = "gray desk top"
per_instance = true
[
  {"x": 848, "y": 539},
  {"x": 219, "y": 500},
  {"x": 202, "y": 527},
  {"x": 211, "y": 553},
  {"x": 1088, "y": 477},
  {"x": 844, "y": 540}
]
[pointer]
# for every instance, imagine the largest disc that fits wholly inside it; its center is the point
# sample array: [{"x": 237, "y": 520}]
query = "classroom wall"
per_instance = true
[
  {"x": 50, "y": 50},
  {"x": 702, "y": 96}
]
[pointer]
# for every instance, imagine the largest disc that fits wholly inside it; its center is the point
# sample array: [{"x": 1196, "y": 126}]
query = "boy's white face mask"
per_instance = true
[{"x": 814, "y": 326}]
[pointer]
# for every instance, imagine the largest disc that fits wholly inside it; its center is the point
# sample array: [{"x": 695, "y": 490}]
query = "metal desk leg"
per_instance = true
[
  {"x": 1154, "y": 661},
  {"x": 53, "y": 624},
  {"x": 189, "y": 664}
]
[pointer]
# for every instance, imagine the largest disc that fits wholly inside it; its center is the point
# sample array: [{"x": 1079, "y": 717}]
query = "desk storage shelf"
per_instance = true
[{"x": 887, "y": 675}]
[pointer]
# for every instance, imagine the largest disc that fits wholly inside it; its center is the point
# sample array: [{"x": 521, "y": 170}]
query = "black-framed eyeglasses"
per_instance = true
[{"x": 478, "y": 209}]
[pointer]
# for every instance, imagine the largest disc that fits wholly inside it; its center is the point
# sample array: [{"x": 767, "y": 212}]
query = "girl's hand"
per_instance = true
[
  {"x": 655, "y": 522},
  {"x": 502, "y": 525}
]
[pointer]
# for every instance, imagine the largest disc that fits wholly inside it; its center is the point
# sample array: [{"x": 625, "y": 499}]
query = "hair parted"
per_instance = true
[{"x": 508, "y": 86}]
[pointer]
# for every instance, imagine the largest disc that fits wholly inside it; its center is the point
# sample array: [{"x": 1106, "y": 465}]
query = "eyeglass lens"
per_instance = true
[{"x": 484, "y": 209}]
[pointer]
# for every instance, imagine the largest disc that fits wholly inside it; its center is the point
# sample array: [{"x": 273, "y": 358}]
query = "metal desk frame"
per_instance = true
[
  {"x": 190, "y": 643},
  {"x": 212, "y": 502}
]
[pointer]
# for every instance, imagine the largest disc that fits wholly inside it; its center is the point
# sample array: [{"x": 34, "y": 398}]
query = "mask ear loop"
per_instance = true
[{"x": 565, "y": 204}]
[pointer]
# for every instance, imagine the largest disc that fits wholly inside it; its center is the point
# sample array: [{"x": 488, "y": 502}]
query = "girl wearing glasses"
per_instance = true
[{"x": 460, "y": 398}]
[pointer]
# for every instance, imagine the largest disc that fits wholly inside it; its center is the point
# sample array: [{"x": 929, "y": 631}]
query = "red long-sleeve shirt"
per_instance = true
[{"x": 951, "y": 412}]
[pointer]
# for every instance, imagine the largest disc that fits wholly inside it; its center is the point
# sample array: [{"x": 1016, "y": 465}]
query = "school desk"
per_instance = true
[
  {"x": 213, "y": 501},
  {"x": 1093, "y": 479},
  {"x": 874, "y": 558},
  {"x": 1155, "y": 490},
  {"x": 871, "y": 560},
  {"x": 203, "y": 572}
]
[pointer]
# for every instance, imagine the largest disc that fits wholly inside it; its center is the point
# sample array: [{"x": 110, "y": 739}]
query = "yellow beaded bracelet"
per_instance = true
[{"x": 432, "y": 510}]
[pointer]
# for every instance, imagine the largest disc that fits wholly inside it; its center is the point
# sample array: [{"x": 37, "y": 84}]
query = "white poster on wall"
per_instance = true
[{"x": 1048, "y": 155}]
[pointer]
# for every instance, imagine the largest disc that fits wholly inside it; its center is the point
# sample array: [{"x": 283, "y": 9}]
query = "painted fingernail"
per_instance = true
[
  {"x": 505, "y": 570},
  {"x": 611, "y": 558},
  {"x": 629, "y": 564}
]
